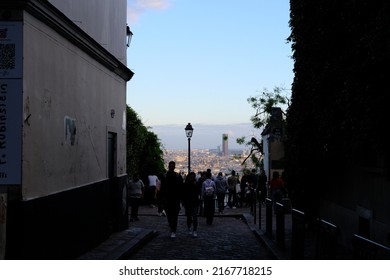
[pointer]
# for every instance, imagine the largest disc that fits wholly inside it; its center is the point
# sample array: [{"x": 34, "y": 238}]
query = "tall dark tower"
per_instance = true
[{"x": 225, "y": 147}]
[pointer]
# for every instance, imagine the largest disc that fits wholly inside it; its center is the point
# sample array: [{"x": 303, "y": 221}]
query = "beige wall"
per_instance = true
[
  {"x": 61, "y": 82},
  {"x": 100, "y": 19}
]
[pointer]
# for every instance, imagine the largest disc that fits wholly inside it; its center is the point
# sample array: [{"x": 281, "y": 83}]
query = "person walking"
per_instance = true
[
  {"x": 191, "y": 199},
  {"x": 160, "y": 209},
  {"x": 221, "y": 189},
  {"x": 200, "y": 181},
  {"x": 171, "y": 193},
  {"x": 276, "y": 187},
  {"x": 251, "y": 192},
  {"x": 263, "y": 186},
  {"x": 151, "y": 190},
  {"x": 207, "y": 194},
  {"x": 232, "y": 183},
  {"x": 244, "y": 186},
  {"x": 135, "y": 192}
]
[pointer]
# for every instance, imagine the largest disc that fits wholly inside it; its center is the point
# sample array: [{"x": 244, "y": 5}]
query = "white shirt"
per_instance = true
[{"x": 152, "y": 180}]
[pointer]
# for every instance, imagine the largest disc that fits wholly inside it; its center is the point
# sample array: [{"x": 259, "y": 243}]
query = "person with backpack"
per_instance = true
[
  {"x": 207, "y": 194},
  {"x": 172, "y": 193}
]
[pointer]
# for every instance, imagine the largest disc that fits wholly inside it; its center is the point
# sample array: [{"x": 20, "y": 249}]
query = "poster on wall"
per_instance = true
[{"x": 11, "y": 102}]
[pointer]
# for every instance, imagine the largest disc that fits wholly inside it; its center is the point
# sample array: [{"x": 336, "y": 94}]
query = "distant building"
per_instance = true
[{"x": 225, "y": 144}]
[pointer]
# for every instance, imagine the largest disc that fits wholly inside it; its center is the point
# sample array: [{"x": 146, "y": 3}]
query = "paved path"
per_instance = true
[
  {"x": 228, "y": 238},
  {"x": 235, "y": 235}
]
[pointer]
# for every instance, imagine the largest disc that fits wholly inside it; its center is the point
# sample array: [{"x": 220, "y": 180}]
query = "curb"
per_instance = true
[{"x": 120, "y": 245}]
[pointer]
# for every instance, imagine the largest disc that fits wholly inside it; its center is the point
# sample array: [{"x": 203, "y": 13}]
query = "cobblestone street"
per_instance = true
[{"x": 228, "y": 238}]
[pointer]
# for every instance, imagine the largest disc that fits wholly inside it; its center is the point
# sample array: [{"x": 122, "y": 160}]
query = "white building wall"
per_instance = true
[
  {"x": 100, "y": 20},
  {"x": 63, "y": 83}
]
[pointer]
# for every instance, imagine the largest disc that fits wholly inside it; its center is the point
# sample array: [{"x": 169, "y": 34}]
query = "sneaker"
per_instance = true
[
  {"x": 163, "y": 213},
  {"x": 173, "y": 235},
  {"x": 189, "y": 232},
  {"x": 159, "y": 214},
  {"x": 234, "y": 207},
  {"x": 195, "y": 234}
]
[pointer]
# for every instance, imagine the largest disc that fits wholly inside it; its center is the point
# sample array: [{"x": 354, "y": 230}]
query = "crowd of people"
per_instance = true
[{"x": 198, "y": 193}]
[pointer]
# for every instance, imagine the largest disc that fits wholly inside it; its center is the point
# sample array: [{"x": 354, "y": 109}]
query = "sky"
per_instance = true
[{"x": 198, "y": 61}]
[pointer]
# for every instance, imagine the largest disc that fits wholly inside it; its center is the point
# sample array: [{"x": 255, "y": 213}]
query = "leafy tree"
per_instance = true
[
  {"x": 339, "y": 94},
  {"x": 144, "y": 149},
  {"x": 263, "y": 105}
]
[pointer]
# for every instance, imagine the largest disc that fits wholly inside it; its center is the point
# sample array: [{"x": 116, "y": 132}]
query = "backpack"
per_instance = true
[{"x": 209, "y": 190}]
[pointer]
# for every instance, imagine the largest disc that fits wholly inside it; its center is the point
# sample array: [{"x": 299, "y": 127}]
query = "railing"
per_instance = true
[
  {"x": 366, "y": 249},
  {"x": 268, "y": 217},
  {"x": 324, "y": 239},
  {"x": 327, "y": 244},
  {"x": 280, "y": 234},
  {"x": 298, "y": 234}
]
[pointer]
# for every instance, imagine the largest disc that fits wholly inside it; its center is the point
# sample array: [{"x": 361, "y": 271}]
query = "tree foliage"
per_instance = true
[
  {"x": 263, "y": 104},
  {"x": 144, "y": 150},
  {"x": 338, "y": 102}
]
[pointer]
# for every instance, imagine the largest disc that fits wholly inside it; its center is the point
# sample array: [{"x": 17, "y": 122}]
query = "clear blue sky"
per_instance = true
[{"x": 199, "y": 60}]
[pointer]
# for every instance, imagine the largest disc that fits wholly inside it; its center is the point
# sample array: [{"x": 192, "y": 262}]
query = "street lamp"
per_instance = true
[
  {"x": 189, "y": 131},
  {"x": 129, "y": 35}
]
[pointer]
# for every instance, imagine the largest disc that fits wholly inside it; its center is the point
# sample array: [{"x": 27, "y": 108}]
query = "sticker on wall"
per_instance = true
[
  {"x": 11, "y": 38},
  {"x": 70, "y": 130}
]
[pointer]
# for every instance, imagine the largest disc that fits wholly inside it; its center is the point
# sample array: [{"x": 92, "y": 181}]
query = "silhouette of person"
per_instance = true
[
  {"x": 171, "y": 193},
  {"x": 191, "y": 199},
  {"x": 135, "y": 192},
  {"x": 232, "y": 183},
  {"x": 208, "y": 193},
  {"x": 221, "y": 188},
  {"x": 276, "y": 186}
]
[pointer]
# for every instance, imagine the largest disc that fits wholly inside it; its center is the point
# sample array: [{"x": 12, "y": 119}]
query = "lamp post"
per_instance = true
[
  {"x": 189, "y": 131},
  {"x": 129, "y": 35}
]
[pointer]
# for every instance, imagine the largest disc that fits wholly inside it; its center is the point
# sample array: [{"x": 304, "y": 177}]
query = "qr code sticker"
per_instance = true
[{"x": 7, "y": 56}]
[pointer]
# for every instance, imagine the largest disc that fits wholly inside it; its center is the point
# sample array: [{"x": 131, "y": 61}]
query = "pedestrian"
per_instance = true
[
  {"x": 200, "y": 181},
  {"x": 207, "y": 194},
  {"x": 263, "y": 186},
  {"x": 221, "y": 189},
  {"x": 252, "y": 189},
  {"x": 244, "y": 186},
  {"x": 151, "y": 190},
  {"x": 172, "y": 192},
  {"x": 135, "y": 193},
  {"x": 276, "y": 187},
  {"x": 232, "y": 183},
  {"x": 191, "y": 199},
  {"x": 160, "y": 209}
]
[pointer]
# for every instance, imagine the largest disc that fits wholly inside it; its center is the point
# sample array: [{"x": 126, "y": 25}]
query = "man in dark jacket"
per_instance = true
[{"x": 171, "y": 193}]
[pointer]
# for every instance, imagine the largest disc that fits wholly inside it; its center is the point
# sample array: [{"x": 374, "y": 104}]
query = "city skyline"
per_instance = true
[{"x": 205, "y": 136}]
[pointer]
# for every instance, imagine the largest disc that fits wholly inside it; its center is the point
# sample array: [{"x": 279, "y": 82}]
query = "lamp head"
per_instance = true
[{"x": 189, "y": 130}]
